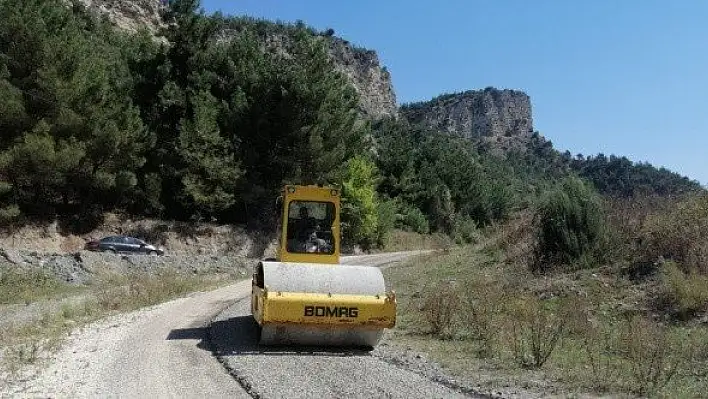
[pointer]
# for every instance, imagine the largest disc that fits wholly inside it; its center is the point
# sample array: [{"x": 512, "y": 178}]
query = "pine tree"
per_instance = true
[{"x": 211, "y": 172}]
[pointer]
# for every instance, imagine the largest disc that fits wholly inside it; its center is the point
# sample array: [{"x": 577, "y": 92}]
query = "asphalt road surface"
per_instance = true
[{"x": 204, "y": 345}]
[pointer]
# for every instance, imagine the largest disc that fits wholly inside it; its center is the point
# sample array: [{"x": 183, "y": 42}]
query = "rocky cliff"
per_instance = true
[
  {"x": 372, "y": 82},
  {"x": 361, "y": 66},
  {"x": 498, "y": 116},
  {"x": 377, "y": 98},
  {"x": 129, "y": 15}
]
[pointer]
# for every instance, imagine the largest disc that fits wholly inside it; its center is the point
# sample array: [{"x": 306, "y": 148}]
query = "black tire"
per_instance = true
[{"x": 152, "y": 253}]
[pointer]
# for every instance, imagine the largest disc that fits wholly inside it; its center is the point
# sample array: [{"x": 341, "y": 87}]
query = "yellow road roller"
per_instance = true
[{"x": 304, "y": 296}]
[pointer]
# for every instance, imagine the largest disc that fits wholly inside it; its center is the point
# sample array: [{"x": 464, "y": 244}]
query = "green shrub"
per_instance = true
[
  {"x": 416, "y": 220},
  {"x": 571, "y": 222},
  {"x": 386, "y": 221},
  {"x": 9, "y": 215},
  {"x": 466, "y": 230},
  {"x": 680, "y": 234},
  {"x": 685, "y": 294}
]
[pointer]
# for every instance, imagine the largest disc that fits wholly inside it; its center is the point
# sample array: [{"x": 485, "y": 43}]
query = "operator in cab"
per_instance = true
[{"x": 306, "y": 228}]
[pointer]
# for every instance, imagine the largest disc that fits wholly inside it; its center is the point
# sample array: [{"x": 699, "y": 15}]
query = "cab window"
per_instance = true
[{"x": 310, "y": 227}]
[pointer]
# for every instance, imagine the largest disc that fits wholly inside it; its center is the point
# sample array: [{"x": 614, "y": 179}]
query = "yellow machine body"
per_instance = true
[{"x": 305, "y": 296}]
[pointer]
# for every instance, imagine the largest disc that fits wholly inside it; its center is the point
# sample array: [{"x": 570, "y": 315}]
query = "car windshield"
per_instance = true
[{"x": 310, "y": 227}]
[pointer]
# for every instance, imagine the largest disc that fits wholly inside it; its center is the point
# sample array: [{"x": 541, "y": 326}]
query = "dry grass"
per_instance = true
[
  {"x": 26, "y": 344},
  {"x": 400, "y": 240},
  {"x": 27, "y": 287}
]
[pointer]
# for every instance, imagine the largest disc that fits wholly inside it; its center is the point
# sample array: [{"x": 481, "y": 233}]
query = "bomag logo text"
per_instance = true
[{"x": 331, "y": 311}]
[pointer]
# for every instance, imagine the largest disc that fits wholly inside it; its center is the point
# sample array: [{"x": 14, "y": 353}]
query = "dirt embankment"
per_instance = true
[
  {"x": 183, "y": 238},
  {"x": 83, "y": 267}
]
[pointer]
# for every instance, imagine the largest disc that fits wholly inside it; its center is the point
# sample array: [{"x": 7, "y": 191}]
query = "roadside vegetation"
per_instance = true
[
  {"x": 564, "y": 318},
  {"x": 58, "y": 308}
]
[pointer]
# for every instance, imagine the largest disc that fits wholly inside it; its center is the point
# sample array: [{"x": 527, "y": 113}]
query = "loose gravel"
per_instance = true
[{"x": 313, "y": 372}]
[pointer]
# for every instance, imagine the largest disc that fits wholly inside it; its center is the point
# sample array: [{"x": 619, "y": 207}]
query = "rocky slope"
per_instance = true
[
  {"x": 498, "y": 116},
  {"x": 372, "y": 82},
  {"x": 129, "y": 15},
  {"x": 82, "y": 267}
]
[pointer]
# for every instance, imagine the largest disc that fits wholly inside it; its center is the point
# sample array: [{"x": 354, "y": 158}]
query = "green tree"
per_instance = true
[
  {"x": 571, "y": 223},
  {"x": 360, "y": 213},
  {"x": 75, "y": 85},
  {"x": 211, "y": 171},
  {"x": 441, "y": 175},
  {"x": 302, "y": 124}
]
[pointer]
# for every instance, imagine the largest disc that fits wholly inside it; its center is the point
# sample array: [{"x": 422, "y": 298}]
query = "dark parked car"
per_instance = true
[{"x": 123, "y": 244}]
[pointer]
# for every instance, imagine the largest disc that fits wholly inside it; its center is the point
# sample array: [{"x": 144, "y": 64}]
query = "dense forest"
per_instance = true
[{"x": 199, "y": 127}]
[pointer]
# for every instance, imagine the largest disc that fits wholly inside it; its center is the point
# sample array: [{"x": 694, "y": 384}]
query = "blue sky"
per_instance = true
[{"x": 624, "y": 77}]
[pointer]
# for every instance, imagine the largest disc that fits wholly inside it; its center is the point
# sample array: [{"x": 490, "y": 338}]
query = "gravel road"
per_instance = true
[{"x": 168, "y": 351}]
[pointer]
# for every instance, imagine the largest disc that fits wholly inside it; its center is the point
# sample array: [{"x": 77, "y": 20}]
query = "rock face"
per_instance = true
[
  {"x": 371, "y": 81},
  {"x": 491, "y": 115},
  {"x": 130, "y": 15}
]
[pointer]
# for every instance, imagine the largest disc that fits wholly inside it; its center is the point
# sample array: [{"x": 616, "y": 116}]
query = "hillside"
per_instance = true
[
  {"x": 501, "y": 122},
  {"x": 361, "y": 66},
  {"x": 131, "y": 16}
]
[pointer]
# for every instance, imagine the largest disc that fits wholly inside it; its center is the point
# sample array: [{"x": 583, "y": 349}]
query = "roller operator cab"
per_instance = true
[{"x": 304, "y": 296}]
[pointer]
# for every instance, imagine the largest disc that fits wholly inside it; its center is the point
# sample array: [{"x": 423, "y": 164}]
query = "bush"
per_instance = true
[
  {"x": 465, "y": 230},
  {"x": 483, "y": 302},
  {"x": 571, "y": 222},
  {"x": 416, "y": 220},
  {"x": 680, "y": 234},
  {"x": 535, "y": 332},
  {"x": 9, "y": 215},
  {"x": 652, "y": 354},
  {"x": 684, "y": 294},
  {"x": 440, "y": 307}
]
